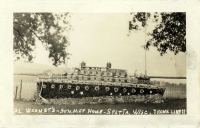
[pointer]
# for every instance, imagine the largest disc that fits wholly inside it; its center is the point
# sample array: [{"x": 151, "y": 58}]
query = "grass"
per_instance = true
[{"x": 170, "y": 106}]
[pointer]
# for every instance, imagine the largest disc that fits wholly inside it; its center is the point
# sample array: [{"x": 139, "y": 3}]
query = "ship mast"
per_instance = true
[
  {"x": 145, "y": 54},
  {"x": 145, "y": 46}
]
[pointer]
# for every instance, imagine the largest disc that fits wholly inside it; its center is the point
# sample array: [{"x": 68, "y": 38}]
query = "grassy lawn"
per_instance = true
[{"x": 170, "y": 106}]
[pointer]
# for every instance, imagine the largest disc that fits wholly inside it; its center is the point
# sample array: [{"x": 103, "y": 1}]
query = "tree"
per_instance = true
[
  {"x": 48, "y": 28},
  {"x": 169, "y": 33}
]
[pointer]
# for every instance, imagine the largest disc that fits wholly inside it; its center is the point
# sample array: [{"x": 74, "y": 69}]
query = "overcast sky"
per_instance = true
[{"x": 99, "y": 38}]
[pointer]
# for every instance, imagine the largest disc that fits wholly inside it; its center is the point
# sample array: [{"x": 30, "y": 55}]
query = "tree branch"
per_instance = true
[
  {"x": 20, "y": 35},
  {"x": 43, "y": 42},
  {"x": 30, "y": 54}
]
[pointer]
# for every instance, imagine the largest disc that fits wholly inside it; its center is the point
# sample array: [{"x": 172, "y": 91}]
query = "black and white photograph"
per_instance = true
[
  {"x": 100, "y": 64},
  {"x": 73, "y": 63}
]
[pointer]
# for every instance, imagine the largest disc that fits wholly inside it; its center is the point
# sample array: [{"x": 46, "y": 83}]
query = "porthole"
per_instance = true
[
  {"x": 61, "y": 86},
  {"x": 69, "y": 86},
  {"x": 116, "y": 89},
  {"x": 86, "y": 88},
  {"x": 133, "y": 90},
  {"x": 107, "y": 88},
  {"x": 96, "y": 88},
  {"x": 124, "y": 90},
  {"x": 77, "y": 87},
  {"x": 53, "y": 86},
  {"x": 44, "y": 86},
  {"x": 141, "y": 90}
]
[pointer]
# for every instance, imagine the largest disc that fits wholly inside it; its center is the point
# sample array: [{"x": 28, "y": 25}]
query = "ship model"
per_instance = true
[{"x": 92, "y": 85}]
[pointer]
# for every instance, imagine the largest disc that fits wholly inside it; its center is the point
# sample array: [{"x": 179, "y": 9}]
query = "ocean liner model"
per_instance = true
[{"x": 98, "y": 85}]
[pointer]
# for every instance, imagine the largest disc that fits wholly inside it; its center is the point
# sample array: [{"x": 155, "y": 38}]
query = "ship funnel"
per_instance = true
[
  {"x": 83, "y": 64},
  {"x": 108, "y": 65}
]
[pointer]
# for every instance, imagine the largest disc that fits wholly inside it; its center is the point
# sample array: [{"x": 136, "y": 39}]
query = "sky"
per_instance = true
[{"x": 98, "y": 38}]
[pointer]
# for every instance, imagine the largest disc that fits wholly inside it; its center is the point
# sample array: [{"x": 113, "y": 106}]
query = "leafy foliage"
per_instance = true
[
  {"x": 50, "y": 29},
  {"x": 169, "y": 34}
]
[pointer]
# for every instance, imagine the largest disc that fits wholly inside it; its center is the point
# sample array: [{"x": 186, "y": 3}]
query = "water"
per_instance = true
[
  {"x": 23, "y": 77},
  {"x": 28, "y": 86},
  {"x": 177, "y": 81}
]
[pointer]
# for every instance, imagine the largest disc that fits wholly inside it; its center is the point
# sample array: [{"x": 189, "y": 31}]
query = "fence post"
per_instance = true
[
  {"x": 16, "y": 92},
  {"x": 20, "y": 90}
]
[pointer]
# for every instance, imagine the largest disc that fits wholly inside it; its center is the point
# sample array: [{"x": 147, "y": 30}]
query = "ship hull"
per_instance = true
[{"x": 49, "y": 90}]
